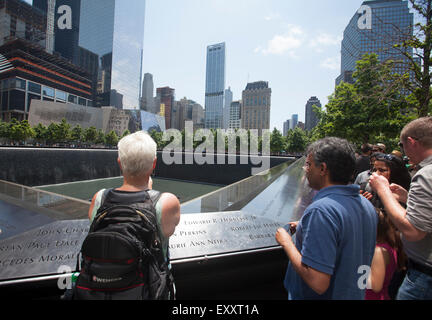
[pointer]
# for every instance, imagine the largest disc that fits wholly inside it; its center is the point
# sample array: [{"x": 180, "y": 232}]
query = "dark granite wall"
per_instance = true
[{"x": 36, "y": 167}]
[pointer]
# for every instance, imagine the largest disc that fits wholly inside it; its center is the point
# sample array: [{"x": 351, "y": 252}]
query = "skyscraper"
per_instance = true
[
  {"x": 376, "y": 28},
  {"x": 311, "y": 116},
  {"x": 166, "y": 96},
  {"x": 256, "y": 104},
  {"x": 227, "y": 106},
  {"x": 147, "y": 99},
  {"x": 235, "y": 115},
  {"x": 286, "y": 127},
  {"x": 215, "y": 86},
  {"x": 294, "y": 121},
  {"x": 188, "y": 110},
  {"x": 106, "y": 38}
]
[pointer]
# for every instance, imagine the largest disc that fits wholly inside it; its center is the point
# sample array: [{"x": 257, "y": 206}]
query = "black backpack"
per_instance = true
[{"x": 122, "y": 256}]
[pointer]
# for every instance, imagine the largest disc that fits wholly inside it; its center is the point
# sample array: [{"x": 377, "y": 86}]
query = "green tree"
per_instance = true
[
  {"x": 297, "y": 140},
  {"x": 100, "y": 137},
  {"x": 420, "y": 39},
  {"x": 77, "y": 133},
  {"x": 63, "y": 131},
  {"x": 90, "y": 135},
  {"x": 371, "y": 107},
  {"x": 157, "y": 137},
  {"x": 58, "y": 132},
  {"x": 112, "y": 139},
  {"x": 277, "y": 142},
  {"x": 41, "y": 133},
  {"x": 52, "y": 133},
  {"x": 20, "y": 131},
  {"x": 4, "y": 130}
]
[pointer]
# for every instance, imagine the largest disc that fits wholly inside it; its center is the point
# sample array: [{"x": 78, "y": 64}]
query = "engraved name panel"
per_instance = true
[
  {"x": 43, "y": 250},
  {"x": 47, "y": 250},
  {"x": 223, "y": 232}
]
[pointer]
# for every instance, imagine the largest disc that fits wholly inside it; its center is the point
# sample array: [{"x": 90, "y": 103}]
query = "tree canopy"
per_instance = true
[{"x": 371, "y": 108}]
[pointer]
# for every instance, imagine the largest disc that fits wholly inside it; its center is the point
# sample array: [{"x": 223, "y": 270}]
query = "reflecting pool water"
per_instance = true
[{"x": 85, "y": 190}]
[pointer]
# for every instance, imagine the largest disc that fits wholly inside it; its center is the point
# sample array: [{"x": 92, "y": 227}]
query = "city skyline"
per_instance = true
[
  {"x": 286, "y": 43},
  {"x": 295, "y": 46}
]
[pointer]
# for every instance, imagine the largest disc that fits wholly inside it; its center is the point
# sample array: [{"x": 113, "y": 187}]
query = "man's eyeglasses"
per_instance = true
[{"x": 401, "y": 145}]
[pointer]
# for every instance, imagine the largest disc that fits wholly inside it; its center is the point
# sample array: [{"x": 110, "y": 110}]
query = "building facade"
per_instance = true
[
  {"x": 215, "y": 86},
  {"x": 19, "y": 20},
  {"x": 256, "y": 105},
  {"x": 30, "y": 73},
  {"x": 311, "y": 117},
  {"x": 228, "y": 99},
  {"x": 391, "y": 23},
  {"x": 235, "y": 115},
  {"x": 106, "y": 118},
  {"x": 147, "y": 98},
  {"x": 301, "y": 125},
  {"x": 294, "y": 121},
  {"x": 106, "y": 37},
  {"x": 166, "y": 96},
  {"x": 286, "y": 127},
  {"x": 188, "y": 110}
]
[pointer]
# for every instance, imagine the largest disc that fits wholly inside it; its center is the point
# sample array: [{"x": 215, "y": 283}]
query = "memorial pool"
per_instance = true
[
  {"x": 84, "y": 190},
  {"x": 224, "y": 239}
]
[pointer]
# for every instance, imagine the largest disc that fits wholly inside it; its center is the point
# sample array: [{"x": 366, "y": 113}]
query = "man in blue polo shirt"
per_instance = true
[{"x": 335, "y": 239}]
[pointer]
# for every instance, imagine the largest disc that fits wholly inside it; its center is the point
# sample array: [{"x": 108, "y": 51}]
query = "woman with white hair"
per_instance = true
[{"x": 137, "y": 160}]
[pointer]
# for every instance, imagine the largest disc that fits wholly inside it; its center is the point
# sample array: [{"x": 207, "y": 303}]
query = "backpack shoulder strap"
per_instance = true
[
  {"x": 154, "y": 196},
  {"x": 99, "y": 201},
  {"x": 104, "y": 195}
]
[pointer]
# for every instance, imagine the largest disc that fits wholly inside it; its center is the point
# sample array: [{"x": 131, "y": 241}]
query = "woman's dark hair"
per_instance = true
[
  {"x": 387, "y": 233},
  {"x": 339, "y": 156},
  {"x": 399, "y": 173}
]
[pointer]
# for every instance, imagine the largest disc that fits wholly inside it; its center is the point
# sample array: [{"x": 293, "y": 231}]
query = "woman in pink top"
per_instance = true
[{"x": 388, "y": 258}]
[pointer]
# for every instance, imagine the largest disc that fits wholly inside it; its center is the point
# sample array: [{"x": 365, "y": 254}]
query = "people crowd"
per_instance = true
[
  {"x": 371, "y": 239},
  {"x": 366, "y": 235}
]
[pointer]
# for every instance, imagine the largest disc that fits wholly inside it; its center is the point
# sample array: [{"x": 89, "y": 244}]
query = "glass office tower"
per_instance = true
[
  {"x": 311, "y": 117},
  {"x": 215, "y": 86},
  {"x": 391, "y": 24},
  {"x": 106, "y": 38}
]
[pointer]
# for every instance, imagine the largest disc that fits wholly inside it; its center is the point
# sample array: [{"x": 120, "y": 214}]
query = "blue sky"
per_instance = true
[{"x": 294, "y": 45}]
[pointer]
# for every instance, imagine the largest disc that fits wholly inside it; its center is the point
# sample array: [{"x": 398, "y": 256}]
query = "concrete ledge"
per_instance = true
[{"x": 35, "y": 167}]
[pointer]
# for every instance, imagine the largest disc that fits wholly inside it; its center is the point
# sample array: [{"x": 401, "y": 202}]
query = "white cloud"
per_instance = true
[
  {"x": 331, "y": 63},
  {"x": 324, "y": 40},
  {"x": 284, "y": 44}
]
